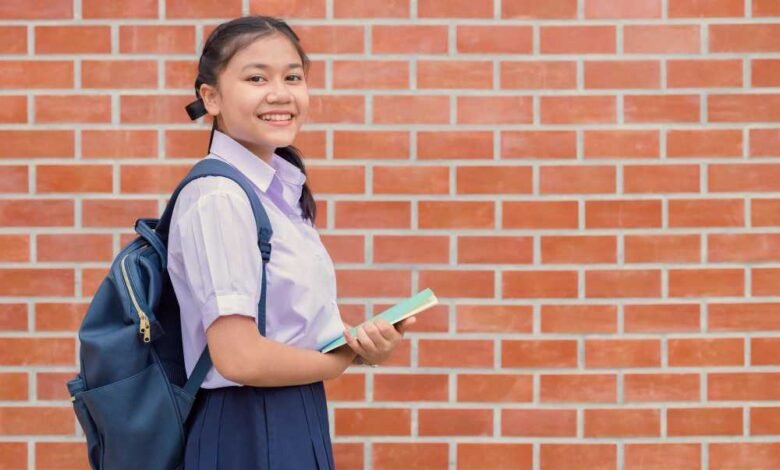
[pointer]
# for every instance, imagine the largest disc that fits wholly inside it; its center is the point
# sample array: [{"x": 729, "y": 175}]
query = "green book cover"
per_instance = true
[{"x": 405, "y": 309}]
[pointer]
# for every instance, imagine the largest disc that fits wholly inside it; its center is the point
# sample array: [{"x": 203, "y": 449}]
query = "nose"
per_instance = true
[{"x": 278, "y": 92}]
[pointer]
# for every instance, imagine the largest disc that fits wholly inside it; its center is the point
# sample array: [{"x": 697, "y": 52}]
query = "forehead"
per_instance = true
[{"x": 274, "y": 51}]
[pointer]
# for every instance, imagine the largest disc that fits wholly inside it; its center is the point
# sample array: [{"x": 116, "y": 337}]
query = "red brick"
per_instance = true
[
  {"x": 578, "y": 456},
  {"x": 409, "y": 39},
  {"x": 13, "y": 109},
  {"x": 73, "y": 39},
  {"x": 623, "y": 214},
  {"x": 413, "y": 179},
  {"x": 661, "y": 108},
  {"x": 108, "y": 74},
  {"x": 578, "y": 388},
  {"x": 407, "y": 387},
  {"x": 622, "y": 74},
  {"x": 578, "y": 109},
  {"x": 36, "y": 213},
  {"x": 372, "y": 422},
  {"x": 661, "y": 39},
  {"x": 578, "y": 249},
  {"x": 456, "y": 214},
  {"x": 578, "y": 39},
  {"x": 549, "y": 353},
  {"x": 477, "y": 456},
  {"x": 455, "y": 422},
  {"x": 455, "y": 353},
  {"x": 547, "y": 74},
  {"x": 551, "y": 9},
  {"x": 614, "y": 353},
  {"x": 494, "y": 39},
  {"x": 540, "y": 284},
  {"x": 331, "y": 39},
  {"x": 409, "y": 456},
  {"x": 417, "y": 109},
  {"x": 494, "y": 318},
  {"x": 709, "y": 9},
  {"x": 455, "y": 9},
  {"x": 590, "y": 179},
  {"x": 661, "y": 179},
  {"x": 31, "y": 74},
  {"x": 411, "y": 249},
  {"x": 369, "y": 283},
  {"x": 503, "y": 388},
  {"x": 701, "y": 73},
  {"x": 503, "y": 249},
  {"x": 622, "y": 423},
  {"x": 579, "y": 319},
  {"x": 662, "y": 248},
  {"x": 538, "y": 144},
  {"x": 540, "y": 214},
  {"x": 744, "y": 108},
  {"x": 654, "y": 387},
  {"x": 503, "y": 110},
  {"x": 120, "y": 9},
  {"x": 37, "y": 352},
  {"x": 360, "y": 9},
  {"x": 13, "y": 179},
  {"x": 459, "y": 283},
  {"x": 616, "y": 9},
  {"x": 660, "y": 456},
  {"x": 744, "y": 38},
  {"x": 695, "y": 352},
  {"x": 707, "y": 143},
  {"x": 156, "y": 39},
  {"x": 539, "y": 423},
  {"x": 37, "y": 10},
  {"x": 658, "y": 318},
  {"x": 377, "y": 214},
  {"x": 706, "y": 282}
]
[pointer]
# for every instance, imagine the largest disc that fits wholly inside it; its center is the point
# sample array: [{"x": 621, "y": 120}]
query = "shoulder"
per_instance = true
[{"x": 211, "y": 193}]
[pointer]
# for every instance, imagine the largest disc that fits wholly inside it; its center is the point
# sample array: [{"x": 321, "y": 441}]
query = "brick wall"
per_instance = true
[{"x": 592, "y": 188}]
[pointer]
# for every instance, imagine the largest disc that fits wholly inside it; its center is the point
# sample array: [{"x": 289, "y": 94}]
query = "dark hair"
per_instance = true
[{"x": 222, "y": 44}]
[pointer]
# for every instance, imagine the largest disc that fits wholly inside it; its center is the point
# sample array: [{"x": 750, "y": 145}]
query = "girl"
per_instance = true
[{"x": 263, "y": 404}]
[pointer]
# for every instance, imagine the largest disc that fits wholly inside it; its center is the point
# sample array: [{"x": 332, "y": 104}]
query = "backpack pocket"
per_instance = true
[
  {"x": 137, "y": 421},
  {"x": 94, "y": 442}
]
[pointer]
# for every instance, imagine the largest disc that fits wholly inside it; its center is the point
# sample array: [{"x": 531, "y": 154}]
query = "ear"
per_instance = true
[{"x": 211, "y": 99}]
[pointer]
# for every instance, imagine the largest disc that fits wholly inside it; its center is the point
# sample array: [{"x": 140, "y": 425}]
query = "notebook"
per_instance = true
[{"x": 404, "y": 309}]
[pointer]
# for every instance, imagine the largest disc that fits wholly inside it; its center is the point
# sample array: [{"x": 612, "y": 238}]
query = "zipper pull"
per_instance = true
[{"x": 145, "y": 328}]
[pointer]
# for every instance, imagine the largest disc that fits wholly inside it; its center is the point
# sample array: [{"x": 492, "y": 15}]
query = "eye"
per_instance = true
[
  {"x": 253, "y": 77},
  {"x": 296, "y": 76}
]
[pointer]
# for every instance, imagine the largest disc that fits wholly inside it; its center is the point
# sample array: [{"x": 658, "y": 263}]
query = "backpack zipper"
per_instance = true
[{"x": 145, "y": 327}]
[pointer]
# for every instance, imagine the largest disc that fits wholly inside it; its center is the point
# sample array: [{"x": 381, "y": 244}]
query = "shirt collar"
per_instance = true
[{"x": 254, "y": 167}]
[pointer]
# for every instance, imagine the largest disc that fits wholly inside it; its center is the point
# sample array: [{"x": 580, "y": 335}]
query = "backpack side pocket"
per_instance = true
[{"x": 94, "y": 444}]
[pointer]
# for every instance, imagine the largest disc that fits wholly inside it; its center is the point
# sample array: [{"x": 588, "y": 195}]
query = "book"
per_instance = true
[{"x": 404, "y": 309}]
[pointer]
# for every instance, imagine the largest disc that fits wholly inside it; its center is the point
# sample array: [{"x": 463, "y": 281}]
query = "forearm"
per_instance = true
[{"x": 269, "y": 363}]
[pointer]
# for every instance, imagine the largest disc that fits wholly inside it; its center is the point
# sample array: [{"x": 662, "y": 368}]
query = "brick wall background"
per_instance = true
[{"x": 592, "y": 188}]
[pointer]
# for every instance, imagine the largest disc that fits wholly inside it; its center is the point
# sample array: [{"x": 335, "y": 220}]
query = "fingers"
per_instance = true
[
  {"x": 353, "y": 342},
  {"x": 404, "y": 325}
]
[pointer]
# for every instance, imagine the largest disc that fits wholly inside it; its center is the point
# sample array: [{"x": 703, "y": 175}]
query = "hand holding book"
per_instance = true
[
  {"x": 395, "y": 314},
  {"x": 375, "y": 340}
]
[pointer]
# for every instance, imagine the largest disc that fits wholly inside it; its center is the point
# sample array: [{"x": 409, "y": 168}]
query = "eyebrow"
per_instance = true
[{"x": 266, "y": 66}]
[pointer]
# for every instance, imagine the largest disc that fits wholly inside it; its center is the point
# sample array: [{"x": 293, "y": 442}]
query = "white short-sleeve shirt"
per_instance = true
[{"x": 215, "y": 265}]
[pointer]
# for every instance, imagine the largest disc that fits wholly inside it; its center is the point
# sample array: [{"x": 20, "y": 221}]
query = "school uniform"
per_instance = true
[{"x": 215, "y": 267}]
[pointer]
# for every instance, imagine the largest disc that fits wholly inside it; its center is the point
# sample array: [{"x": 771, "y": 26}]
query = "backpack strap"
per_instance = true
[{"x": 215, "y": 167}]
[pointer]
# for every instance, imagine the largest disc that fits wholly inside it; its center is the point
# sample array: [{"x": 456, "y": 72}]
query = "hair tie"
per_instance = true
[{"x": 196, "y": 109}]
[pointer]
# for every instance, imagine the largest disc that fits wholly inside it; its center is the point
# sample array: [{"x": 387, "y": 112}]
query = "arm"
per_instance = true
[{"x": 242, "y": 355}]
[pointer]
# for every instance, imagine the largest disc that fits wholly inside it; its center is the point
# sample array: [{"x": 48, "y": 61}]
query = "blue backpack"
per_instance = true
[{"x": 131, "y": 396}]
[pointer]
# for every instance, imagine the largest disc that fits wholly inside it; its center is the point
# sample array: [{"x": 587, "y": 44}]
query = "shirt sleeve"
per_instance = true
[{"x": 221, "y": 258}]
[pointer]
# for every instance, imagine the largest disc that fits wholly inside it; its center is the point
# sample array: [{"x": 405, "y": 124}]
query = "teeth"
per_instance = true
[{"x": 276, "y": 117}]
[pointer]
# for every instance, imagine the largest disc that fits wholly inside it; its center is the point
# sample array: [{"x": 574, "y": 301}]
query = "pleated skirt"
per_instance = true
[{"x": 259, "y": 428}]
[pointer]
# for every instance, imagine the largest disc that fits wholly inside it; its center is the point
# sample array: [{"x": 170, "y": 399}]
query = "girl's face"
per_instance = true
[{"x": 265, "y": 76}]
